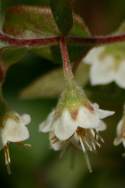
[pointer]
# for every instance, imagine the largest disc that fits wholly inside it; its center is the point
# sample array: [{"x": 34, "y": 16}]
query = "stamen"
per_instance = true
[
  {"x": 7, "y": 159},
  {"x": 88, "y": 145},
  {"x": 86, "y": 155},
  {"x": 99, "y": 145},
  {"x": 94, "y": 147},
  {"x": 24, "y": 145}
]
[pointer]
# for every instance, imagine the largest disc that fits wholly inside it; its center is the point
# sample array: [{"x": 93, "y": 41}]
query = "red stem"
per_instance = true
[
  {"x": 97, "y": 40},
  {"x": 29, "y": 42},
  {"x": 94, "y": 40},
  {"x": 66, "y": 61}
]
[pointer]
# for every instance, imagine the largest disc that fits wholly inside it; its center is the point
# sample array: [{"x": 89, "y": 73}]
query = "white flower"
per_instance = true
[
  {"x": 75, "y": 121},
  {"x": 67, "y": 124},
  {"x": 13, "y": 129},
  {"x": 120, "y": 131},
  {"x": 107, "y": 65}
]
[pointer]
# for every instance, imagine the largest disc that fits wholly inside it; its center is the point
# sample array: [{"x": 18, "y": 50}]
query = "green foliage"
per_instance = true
[
  {"x": 37, "y": 22},
  {"x": 53, "y": 83},
  {"x": 62, "y": 12}
]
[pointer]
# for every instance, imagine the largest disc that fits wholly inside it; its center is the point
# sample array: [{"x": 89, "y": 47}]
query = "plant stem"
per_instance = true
[
  {"x": 97, "y": 40},
  {"x": 29, "y": 42},
  {"x": 94, "y": 40},
  {"x": 65, "y": 58}
]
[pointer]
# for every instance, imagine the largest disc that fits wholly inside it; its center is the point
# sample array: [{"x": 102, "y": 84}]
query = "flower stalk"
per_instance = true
[{"x": 66, "y": 61}]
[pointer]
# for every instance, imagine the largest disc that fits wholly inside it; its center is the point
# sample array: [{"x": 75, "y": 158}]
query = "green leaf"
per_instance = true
[
  {"x": 30, "y": 21},
  {"x": 76, "y": 51},
  {"x": 62, "y": 12},
  {"x": 11, "y": 55},
  {"x": 35, "y": 22},
  {"x": 53, "y": 83}
]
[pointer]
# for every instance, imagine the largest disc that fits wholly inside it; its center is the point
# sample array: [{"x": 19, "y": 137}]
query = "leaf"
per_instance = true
[
  {"x": 76, "y": 51},
  {"x": 30, "y": 21},
  {"x": 35, "y": 22},
  {"x": 53, "y": 83},
  {"x": 10, "y": 55},
  {"x": 62, "y": 12}
]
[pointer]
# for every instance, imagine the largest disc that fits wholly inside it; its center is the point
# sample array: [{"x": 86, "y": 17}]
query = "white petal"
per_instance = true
[
  {"x": 117, "y": 141},
  {"x": 56, "y": 145},
  {"x": 46, "y": 125},
  {"x": 105, "y": 113},
  {"x": 102, "y": 71},
  {"x": 14, "y": 131},
  {"x": 87, "y": 119},
  {"x": 102, "y": 126},
  {"x": 93, "y": 54},
  {"x": 119, "y": 127},
  {"x": 123, "y": 142},
  {"x": 120, "y": 76},
  {"x": 102, "y": 113},
  {"x": 1, "y": 141},
  {"x": 26, "y": 119},
  {"x": 65, "y": 126}
]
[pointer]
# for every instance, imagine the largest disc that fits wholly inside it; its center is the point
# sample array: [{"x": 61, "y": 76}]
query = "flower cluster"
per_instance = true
[{"x": 75, "y": 121}]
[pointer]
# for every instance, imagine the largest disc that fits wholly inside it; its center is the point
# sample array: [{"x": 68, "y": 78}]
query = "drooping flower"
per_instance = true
[
  {"x": 120, "y": 132},
  {"x": 13, "y": 129},
  {"x": 107, "y": 65},
  {"x": 75, "y": 121}
]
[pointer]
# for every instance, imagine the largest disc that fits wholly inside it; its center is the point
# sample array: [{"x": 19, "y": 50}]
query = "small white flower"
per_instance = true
[
  {"x": 13, "y": 129},
  {"x": 75, "y": 121},
  {"x": 107, "y": 65}
]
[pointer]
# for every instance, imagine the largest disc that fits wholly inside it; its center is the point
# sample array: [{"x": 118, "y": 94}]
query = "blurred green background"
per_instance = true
[{"x": 41, "y": 167}]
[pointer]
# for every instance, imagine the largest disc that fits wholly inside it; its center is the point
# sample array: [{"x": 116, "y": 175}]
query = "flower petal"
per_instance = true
[
  {"x": 56, "y": 144},
  {"x": 102, "y": 113},
  {"x": 46, "y": 125},
  {"x": 64, "y": 126},
  {"x": 102, "y": 71},
  {"x": 93, "y": 55},
  {"x": 120, "y": 75},
  {"x": 26, "y": 119},
  {"x": 14, "y": 131},
  {"x": 119, "y": 128},
  {"x": 102, "y": 126},
  {"x": 117, "y": 141},
  {"x": 87, "y": 119}
]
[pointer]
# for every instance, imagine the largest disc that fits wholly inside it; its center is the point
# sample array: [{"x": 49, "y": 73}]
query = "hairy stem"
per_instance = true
[
  {"x": 94, "y": 40},
  {"x": 66, "y": 61}
]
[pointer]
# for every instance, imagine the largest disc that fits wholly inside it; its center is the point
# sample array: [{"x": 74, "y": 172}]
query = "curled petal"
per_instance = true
[
  {"x": 117, "y": 141},
  {"x": 26, "y": 119},
  {"x": 46, "y": 125},
  {"x": 64, "y": 126},
  {"x": 56, "y": 144},
  {"x": 120, "y": 75},
  {"x": 119, "y": 128}
]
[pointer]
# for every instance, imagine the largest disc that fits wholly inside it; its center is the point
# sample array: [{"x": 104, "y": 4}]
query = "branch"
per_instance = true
[
  {"x": 97, "y": 40},
  {"x": 94, "y": 40},
  {"x": 29, "y": 42}
]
